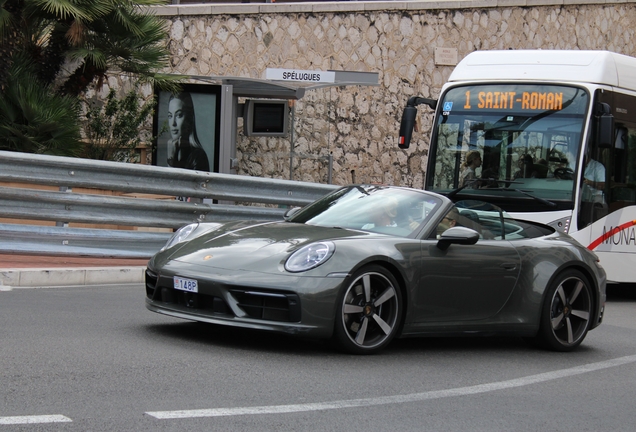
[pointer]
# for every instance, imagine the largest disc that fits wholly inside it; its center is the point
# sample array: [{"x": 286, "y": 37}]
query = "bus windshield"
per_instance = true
[{"x": 516, "y": 143}]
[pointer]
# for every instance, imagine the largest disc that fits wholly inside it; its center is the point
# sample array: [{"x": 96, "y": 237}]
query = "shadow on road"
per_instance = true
[
  {"x": 204, "y": 336},
  {"x": 621, "y": 292},
  {"x": 207, "y": 335}
]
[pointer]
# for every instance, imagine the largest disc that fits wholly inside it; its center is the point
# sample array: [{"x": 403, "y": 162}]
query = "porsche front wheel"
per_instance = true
[
  {"x": 567, "y": 311},
  {"x": 369, "y": 311}
]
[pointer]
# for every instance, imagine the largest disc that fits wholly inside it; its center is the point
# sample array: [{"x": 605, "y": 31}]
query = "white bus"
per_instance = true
[{"x": 555, "y": 133}]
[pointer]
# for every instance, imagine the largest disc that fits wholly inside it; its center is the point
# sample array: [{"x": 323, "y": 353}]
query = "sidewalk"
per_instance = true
[{"x": 21, "y": 271}]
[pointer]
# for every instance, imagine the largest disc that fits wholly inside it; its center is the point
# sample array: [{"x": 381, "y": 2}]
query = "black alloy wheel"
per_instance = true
[
  {"x": 567, "y": 312},
  {"x": 369, "y": 311}
]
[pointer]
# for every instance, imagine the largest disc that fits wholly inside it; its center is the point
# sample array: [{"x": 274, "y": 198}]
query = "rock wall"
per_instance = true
[{"x": 357, "y": 125}]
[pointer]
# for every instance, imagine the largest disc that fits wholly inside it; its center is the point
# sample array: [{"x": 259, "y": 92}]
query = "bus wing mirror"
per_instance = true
[
  {"x": 605, "y": 126},
  {"x": 408, "y": 119},
  {"x": 406, "y": 127},
  {"x": 606, "y": 131}
]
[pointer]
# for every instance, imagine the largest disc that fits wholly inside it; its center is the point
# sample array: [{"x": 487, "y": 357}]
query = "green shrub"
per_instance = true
[{"x": 115, "y": 127}]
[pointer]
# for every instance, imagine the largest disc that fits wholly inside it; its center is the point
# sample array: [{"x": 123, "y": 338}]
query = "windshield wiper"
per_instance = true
[
  {"x": 481, "y": 180},
  {"x": 454, "y": 192},
  {"x": 541, "y": 200}
]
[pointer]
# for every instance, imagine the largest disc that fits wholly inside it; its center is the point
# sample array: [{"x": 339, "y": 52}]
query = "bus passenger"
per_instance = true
[
  {"x": 468, "y": 177},
  {"x": 527, "y": 168}
]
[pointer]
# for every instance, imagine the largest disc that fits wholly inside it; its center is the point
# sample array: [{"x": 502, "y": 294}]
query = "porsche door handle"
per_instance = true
[{"x": 508, "y": 266}]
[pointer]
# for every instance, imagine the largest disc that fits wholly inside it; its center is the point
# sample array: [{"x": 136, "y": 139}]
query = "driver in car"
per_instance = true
[
  {"x": 384, "y": 215},
  {"x": 449, "y": 221}
]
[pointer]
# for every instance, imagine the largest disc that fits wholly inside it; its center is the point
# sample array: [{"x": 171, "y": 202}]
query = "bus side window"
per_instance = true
[{"x": 623, "y": 185}]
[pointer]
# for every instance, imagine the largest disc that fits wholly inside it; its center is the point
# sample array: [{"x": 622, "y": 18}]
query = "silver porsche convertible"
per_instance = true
[{"x": 367, "y": 263}]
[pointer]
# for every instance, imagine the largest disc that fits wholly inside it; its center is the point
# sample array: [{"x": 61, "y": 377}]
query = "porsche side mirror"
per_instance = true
[
  {"x": 457, "y": 235},
  {"x": 289, "y": 213}
]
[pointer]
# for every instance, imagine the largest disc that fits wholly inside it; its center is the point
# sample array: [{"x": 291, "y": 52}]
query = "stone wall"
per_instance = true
[{"x": 358, "y": 125}]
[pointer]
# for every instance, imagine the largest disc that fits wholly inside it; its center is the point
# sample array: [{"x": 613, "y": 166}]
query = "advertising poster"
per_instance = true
[{"x": 186, "y": 127}]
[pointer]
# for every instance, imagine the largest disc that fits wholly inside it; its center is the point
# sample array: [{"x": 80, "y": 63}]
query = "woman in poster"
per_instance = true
[{"x": 184, "y": 148}]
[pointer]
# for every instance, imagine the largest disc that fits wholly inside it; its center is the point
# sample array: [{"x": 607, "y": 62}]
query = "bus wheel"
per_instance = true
[{"x": 566, "y": 313}]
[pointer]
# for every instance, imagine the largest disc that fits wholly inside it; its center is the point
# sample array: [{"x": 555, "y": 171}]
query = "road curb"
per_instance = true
[{"x": 58, "y": 277}]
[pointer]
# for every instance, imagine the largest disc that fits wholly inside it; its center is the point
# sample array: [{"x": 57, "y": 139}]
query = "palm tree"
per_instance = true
[
  {"x": 60, "y": 47},
  {"x": 34, "y": 119}
]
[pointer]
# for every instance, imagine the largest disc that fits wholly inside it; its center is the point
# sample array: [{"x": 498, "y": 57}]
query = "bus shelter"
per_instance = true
[{"x": 279, "y": 85}]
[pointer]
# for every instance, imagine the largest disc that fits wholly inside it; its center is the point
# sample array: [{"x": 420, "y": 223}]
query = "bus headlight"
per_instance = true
[{"x": 561, "y": 225}]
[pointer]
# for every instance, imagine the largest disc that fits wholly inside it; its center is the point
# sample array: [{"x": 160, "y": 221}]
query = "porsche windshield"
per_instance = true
[
  {"x": 516, "y": 141},
  {"x": 381, "y": 209}
]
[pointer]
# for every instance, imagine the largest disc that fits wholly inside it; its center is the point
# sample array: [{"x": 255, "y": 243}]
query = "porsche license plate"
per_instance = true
[{"x": 184, "y": 284}]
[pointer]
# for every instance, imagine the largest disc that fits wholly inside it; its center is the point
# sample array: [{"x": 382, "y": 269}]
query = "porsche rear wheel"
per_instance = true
[
  {"x": 567, "y": 311},
  {"x": 369, "y": 311}
]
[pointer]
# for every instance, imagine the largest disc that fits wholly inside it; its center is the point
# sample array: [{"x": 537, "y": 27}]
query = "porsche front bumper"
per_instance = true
[{"x": 284, "y": 303}]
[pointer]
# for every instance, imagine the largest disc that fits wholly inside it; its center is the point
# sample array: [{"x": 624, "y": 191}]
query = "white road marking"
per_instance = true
[
  {"x": 55, "y": 418},
  {"x": 415, "y": 397}
]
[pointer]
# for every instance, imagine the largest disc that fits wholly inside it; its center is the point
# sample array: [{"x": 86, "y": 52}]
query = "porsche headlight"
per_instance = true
[
  {"x": 180, "y": 235},
  {"x": 310, "y": 256}
]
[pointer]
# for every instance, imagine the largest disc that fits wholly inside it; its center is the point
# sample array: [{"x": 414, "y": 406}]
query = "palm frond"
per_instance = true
[
  {"x": 7, "y": 21},
  {"x": 36, "y": 120},
  {"x": 91, "y": 56},
  {"x": 165, "y": 82},
  {"x": 83, "y": 10}
]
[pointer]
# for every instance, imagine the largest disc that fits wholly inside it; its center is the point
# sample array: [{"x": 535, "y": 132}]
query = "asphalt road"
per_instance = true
[{"x": 94, "y": 359}]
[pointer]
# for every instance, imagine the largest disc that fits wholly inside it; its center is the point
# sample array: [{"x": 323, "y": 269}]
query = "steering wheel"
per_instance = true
[{"x": 564, "y": 174}]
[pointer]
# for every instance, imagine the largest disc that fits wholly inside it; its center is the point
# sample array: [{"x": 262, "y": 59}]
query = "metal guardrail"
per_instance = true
[
  {"x": 64, "y": 241},
  {"x": 67, "y": 206}
]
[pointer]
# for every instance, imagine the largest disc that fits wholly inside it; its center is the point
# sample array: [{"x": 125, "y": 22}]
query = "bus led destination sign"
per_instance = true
[{"x": 503, "y": 100}]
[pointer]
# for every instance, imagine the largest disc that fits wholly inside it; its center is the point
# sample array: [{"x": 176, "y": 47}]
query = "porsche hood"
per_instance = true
[{"x": 253, "y": 247}]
